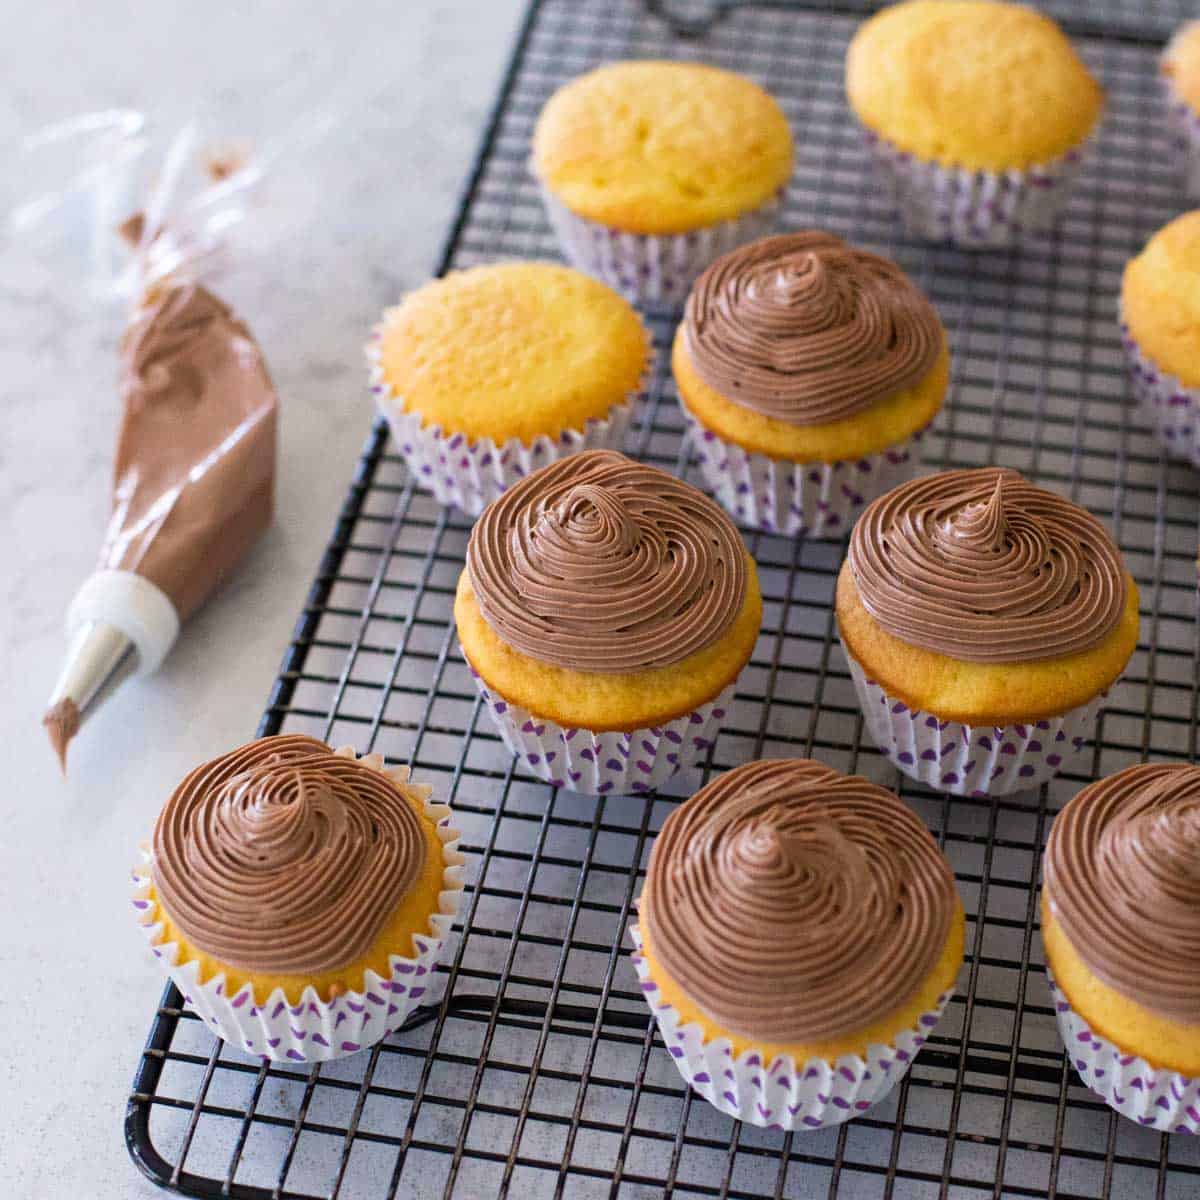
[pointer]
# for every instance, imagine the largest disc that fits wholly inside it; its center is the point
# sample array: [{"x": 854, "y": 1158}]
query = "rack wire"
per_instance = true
[{"x": 540, "y": 1074}]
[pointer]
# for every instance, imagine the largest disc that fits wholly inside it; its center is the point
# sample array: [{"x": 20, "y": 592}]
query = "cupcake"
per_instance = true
[
  {"x": 1121, "y": 925},
  {"x": 299, "y": 897},
  {"x": 1180, "y": 72},
  {"x": 798, "y": 938},
  {"x": 487, "y": 374},
  {"x": 650, "y": 170},
  {"x": 605, "y": 611},
  {"x": 808, "y": 372},
  {"x": 984, "y": 619},
  {"x": 1160, "y": 314},
  {"x": 978, "y": 115}
]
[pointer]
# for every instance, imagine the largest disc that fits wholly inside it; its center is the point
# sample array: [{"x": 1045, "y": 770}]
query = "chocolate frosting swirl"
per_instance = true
[
  {"x": 1122, "y": 879},
  {"x": 983, "y": 566},
  {"x": 284, "y": 857},
  {"x": 808, "y": 330},
  {"x": 795, "y": 904},
  {"x": 600, "y": 563}
]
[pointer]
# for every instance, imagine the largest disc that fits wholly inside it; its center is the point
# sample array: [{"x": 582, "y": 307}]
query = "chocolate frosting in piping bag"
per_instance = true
[
  {"x": 806, "y": 329},
  {"x": 794, "y": 904},
  {"x": 193, "y": 480},
  {"x": 284, "y": 857},
  {"x": 983, "y": 566},
  {"x": 1122, "y": 879},
  {"x": 600, "y": 563},
  {"x": 193, "y": 486}
]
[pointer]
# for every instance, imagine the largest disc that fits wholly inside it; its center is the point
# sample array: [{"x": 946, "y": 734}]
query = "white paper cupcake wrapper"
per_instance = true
[
  {"x": 970, "y": 760},
  {"x": 780, "y": 1093},
  {"x": 596, "y": 762},
  {"x": 1169, "y": 403},
  {"x": 470, "y": 475},
  {"x": 975, "y": 209},
  {"x": 821, "y": 500},
  {"x": 1148, "y": 1095},
  {"x": 657, "y": 269},
  {"x": 1184, "y": 123},
  {"x": 315, "y": 1030}
]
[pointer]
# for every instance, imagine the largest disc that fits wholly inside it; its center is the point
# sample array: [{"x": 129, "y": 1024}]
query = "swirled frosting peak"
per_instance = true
[
  {"x": 794, "y": 904},
  {"x": 808, "y": 330},
  {"x": 1122, "y": 879},
  {"x": 983, "y": 566},
  {"x": 600, "y": 563},
  {"x": 286, "y": 857}
]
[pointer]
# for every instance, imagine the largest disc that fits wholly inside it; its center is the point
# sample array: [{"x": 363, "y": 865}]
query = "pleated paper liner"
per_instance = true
[
  {"x": 1171, "y": 405},
  {"x": 781, "y": 1093}
]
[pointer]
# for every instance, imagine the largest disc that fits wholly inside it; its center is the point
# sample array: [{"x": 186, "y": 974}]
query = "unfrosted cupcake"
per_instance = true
[
  {"x": 1160, "y": 330},
  {"x": 808, "y": 371},
  {"x": 606, "y": 610},
  {"x": 1180, "y": 73},
  {"x": 299, "y": 897},
  {"x": 799, "y": 936},
  {"x": 650, "y": 170},
  {"x": 978, "y": 114},
  {"x": 1121, "y": 924},
  {"x": 984, "y": 619},
  {"x": 489, "y": 373}
]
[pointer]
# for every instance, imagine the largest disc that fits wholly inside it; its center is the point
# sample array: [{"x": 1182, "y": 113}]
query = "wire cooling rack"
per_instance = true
[{"x": 541, "y": 1075}]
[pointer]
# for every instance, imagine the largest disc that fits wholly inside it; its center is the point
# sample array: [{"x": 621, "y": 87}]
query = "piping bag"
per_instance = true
[{"x": 194, "y": 470}]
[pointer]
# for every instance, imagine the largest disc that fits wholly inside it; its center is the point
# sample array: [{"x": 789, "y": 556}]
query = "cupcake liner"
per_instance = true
[
  {"x": 595, "y": 762},
  {"x": 1184, "y": 124},
  {"x": 970, "y": 760},
  {"x": 1171, "y": 405},
  {"x": 315, "y": 1030},
  {"x": 654, "y": 269},
  {"x": 975, "y": 209},
  {"x": 471, "y": 474},
  {"x": 1148, "y": 1095},
  {"x": 821, "y": 500},
  {"x": 781, "y": 1093}
]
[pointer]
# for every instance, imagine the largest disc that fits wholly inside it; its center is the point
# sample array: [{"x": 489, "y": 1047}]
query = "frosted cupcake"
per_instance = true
[
  {"x": 489, "y": 373},
  {"x": 606, "y": 610},
  {"x": 978, "y": 114},
  {"x": 1121, "y": 923},
  {"x": 983, "y": 619},
  {"x": 299, "y": 897},
  {"x": 1160, "y": 316},
  {"x": 808, "y": 371},
  {"x": 650, "y": 170},
  {"x": 799, "y": 937},
  {"x": 1180, "y": 73}
]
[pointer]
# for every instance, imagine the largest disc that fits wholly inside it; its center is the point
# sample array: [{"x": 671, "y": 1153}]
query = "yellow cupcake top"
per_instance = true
[
  {"x": 1160, "y": 298},
  {"x": 513, "y": 350},
  {"x": 1181, "y": 64},
  {"x": 662, "y": 147},
  {"x": 971, "y": 83}
]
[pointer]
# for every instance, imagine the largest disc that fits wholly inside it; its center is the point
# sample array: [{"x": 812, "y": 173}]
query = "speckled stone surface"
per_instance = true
[{"x": 368, "y": 226}]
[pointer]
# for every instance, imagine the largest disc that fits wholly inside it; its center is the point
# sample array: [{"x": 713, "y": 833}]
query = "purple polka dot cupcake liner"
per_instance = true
[
  {"x": 469, "y": 475},
  {"x": 655, "y": 269},
  {"x": 315, "y": 1030},
  {"x": 1172, "y": 406},
  {"x": 820, "y": 500},
  {"x": 1147, "y": 1095},
  {"x": 597, "y": 762},
  {"x": 779, "y": 1093},
  {"x": 975, "y": 209},
  {"x": 971, "y": 760},
  {"x": 1184, "y": 124}
]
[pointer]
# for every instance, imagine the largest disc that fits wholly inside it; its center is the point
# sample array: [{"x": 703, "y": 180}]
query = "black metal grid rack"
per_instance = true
[{"x": 541, "y": 1074}]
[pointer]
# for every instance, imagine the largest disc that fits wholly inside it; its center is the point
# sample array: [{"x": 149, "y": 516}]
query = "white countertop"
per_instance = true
[{"x": 78, "y": 985}]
